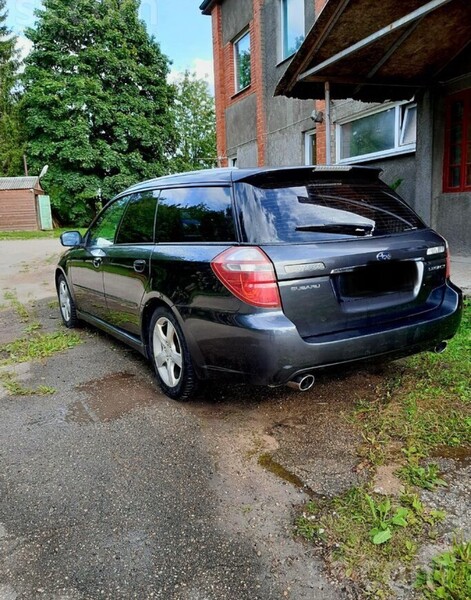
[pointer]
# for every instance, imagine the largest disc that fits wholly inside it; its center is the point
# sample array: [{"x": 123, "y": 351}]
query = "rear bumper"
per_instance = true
[{"x": 265, "y": 348}]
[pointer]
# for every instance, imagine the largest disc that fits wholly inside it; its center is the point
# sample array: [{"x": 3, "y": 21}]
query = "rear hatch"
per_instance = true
[{"x": 347, "y": 250}]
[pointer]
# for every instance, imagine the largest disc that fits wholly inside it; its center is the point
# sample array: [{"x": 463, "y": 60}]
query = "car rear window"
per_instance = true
[{"x": 300, "y": 211}]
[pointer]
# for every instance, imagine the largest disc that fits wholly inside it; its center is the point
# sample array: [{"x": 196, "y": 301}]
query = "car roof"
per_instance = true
[{"x": 226, "y": 176}]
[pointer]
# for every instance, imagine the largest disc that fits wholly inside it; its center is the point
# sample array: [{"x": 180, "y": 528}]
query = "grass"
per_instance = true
[
  {"x": 37, "y": 346},
  {"x": 422, "y": 406},
  {"x": 21, "y": 311},
  {"x": 368, "y": 535},
  {"x": 426, "y": 402},
  {"x": 33, "y": 235},
  {"x": 15, "y": 388},
  {"x": 449, "y": 577}
]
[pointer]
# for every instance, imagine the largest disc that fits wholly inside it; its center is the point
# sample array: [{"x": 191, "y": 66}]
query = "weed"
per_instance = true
[
  {"x": 53, "y": 304},
  {"x": 368, "y": 535},
  {"x": 20, "y": 309},
  {"x": 15, "y": 388},
  {"x": 450, "y": 575},
  {"x": 424, "y": 477},
  {"x": 39, "y": 345},
  {"x": 33, "y": 327}
]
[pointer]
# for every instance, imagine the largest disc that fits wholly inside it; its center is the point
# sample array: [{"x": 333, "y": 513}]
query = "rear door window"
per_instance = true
[
  {"x": 298, "y": 212},
  {"x": 197, "y": 214}
]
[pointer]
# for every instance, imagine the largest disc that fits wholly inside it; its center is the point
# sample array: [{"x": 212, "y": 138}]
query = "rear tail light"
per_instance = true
[
  {"x": 448, "y": 261},
  {"x": 248, "y": 273}
]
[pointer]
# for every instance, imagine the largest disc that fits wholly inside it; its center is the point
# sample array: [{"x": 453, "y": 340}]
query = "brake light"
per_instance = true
[
  {"x": 448, "y": 261},
  {"x": 248, "y": 273}
]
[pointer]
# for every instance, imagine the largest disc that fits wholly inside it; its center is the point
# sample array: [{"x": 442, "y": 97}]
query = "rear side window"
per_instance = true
[
  {"x": 300, "y": 212},
  {"x": 137, "y": 226},
  {"x": 199, "y": 214}
]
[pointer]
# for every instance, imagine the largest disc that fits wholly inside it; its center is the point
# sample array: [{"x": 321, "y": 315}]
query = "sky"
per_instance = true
[{"x": 183, "y": 32}]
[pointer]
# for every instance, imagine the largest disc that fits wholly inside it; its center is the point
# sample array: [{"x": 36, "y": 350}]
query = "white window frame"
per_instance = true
[
  {"x": 285, "y": 55},
  {"x": 235, "y": 41},
  {"x": 309, "y": 160},
  {"x": 399, "y": 147}
]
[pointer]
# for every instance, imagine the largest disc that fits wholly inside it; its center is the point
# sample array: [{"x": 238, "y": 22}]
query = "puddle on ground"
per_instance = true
[
  {"x": 111, "y": 397},
  {"x": 269, "y": 464}
]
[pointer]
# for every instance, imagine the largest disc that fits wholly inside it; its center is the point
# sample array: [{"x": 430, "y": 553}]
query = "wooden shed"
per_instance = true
[{"x": 19, "y": 208}]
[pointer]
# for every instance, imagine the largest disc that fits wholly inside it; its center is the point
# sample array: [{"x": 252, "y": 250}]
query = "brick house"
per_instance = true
[{"x": 267, "y": 47}]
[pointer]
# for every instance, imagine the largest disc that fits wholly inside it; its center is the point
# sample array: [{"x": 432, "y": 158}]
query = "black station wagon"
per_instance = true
[{"x": 263, "y": 275}]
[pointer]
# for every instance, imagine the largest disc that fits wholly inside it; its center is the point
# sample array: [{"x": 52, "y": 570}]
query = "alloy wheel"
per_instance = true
[{"x": 167, "y": 352}]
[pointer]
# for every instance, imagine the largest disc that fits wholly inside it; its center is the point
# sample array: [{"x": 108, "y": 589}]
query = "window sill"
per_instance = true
[
  {"x": 285, "y": 60},
  {"x": 241, "y": 92},
  {"x": 377, "y": 156}
]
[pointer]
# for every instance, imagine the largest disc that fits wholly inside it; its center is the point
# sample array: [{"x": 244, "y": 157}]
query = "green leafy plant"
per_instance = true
[
  {"x": 427, "y": 477},
  {"x": 384, "y": 520},
  {"x": 449, "y": 577}
]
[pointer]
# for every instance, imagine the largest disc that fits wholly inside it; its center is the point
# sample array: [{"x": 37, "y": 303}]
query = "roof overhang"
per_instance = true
[
  {"x": 376, "y": 51},
  {"x": 207, "y": 6}
]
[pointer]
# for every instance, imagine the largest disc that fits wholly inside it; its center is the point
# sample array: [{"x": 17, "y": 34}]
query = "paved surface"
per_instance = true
[
  {"x": 461, "y": 273},
  {"x": 110, "y": 490}
]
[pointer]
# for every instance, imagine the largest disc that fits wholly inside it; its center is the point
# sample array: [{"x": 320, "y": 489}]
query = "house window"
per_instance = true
[
  {"x": 292, "y": 26},
  {"x": 457, "y": 169},
  {"x": 242, "y": 66},
  {"x": 310, "y": 150},
  {"x": 382, "y": 132}
]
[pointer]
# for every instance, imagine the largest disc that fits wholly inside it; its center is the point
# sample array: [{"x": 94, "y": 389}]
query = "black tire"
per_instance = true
[
  {"x": 67, "y": 306},
  {"x": 170, "y": 356}
]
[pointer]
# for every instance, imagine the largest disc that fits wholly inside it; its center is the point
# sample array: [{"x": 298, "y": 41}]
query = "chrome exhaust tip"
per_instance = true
[
  {"x": 441, "y": 347},
  {"x": 302, "y": 383}
]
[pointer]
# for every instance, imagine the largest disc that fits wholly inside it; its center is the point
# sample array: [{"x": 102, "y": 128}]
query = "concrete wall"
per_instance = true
[
  {"x": 236, "y": 15},
  {"x": 241, "y": 129},
  {"x": 286, "y": 118},
  {"x": 450, "y": 212}
]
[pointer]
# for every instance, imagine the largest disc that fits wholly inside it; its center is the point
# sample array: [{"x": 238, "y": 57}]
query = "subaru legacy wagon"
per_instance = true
[{"x": 262, "y": 275}]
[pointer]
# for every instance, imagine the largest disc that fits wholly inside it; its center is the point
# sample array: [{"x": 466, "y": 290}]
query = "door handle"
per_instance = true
[
  {"x": 97, "y": 262},
  {"x": 139, "y": 266}
]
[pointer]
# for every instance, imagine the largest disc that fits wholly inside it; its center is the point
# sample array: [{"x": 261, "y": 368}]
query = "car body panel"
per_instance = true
[{"x": 342, "y": 300}]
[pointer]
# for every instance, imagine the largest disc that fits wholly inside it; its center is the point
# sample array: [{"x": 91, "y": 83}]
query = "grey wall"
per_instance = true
[
  {"x": 399, "y": 167},
  {"x": 451, "y": 212},
  {"x": 286, "y": 118},
  {"x": 236, "y": 15},
  {"x": 241, "y": 129}
]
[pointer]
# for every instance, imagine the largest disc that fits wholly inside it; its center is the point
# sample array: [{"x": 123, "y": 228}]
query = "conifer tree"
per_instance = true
[
  {"x": 96, "y": 102},
  {"x": 11, "y": 142}
]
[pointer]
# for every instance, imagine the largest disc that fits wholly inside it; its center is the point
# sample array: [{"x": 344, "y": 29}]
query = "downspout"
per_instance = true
[{"x": 328, "y": 139}]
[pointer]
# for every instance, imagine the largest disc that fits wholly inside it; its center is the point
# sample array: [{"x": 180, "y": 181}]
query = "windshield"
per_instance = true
[{"x": 328, "y": 210}]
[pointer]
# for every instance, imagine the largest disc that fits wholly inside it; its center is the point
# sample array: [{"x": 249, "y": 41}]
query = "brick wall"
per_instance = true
[
  {"x": 225, "y": 92},
  {"x": 225, "y": 83},
  {"x": 320, "y": 106}
]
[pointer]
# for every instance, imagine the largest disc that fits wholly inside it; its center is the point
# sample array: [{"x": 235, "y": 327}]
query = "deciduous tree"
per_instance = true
[{"x": 195, "y": 122}]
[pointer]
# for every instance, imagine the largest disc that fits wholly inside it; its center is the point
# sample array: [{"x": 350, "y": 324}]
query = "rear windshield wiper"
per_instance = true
[{"x": 359, "y": 229}]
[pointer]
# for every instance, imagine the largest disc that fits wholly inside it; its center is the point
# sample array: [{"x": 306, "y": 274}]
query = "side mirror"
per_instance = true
[{"x": 71, "y": 238}]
